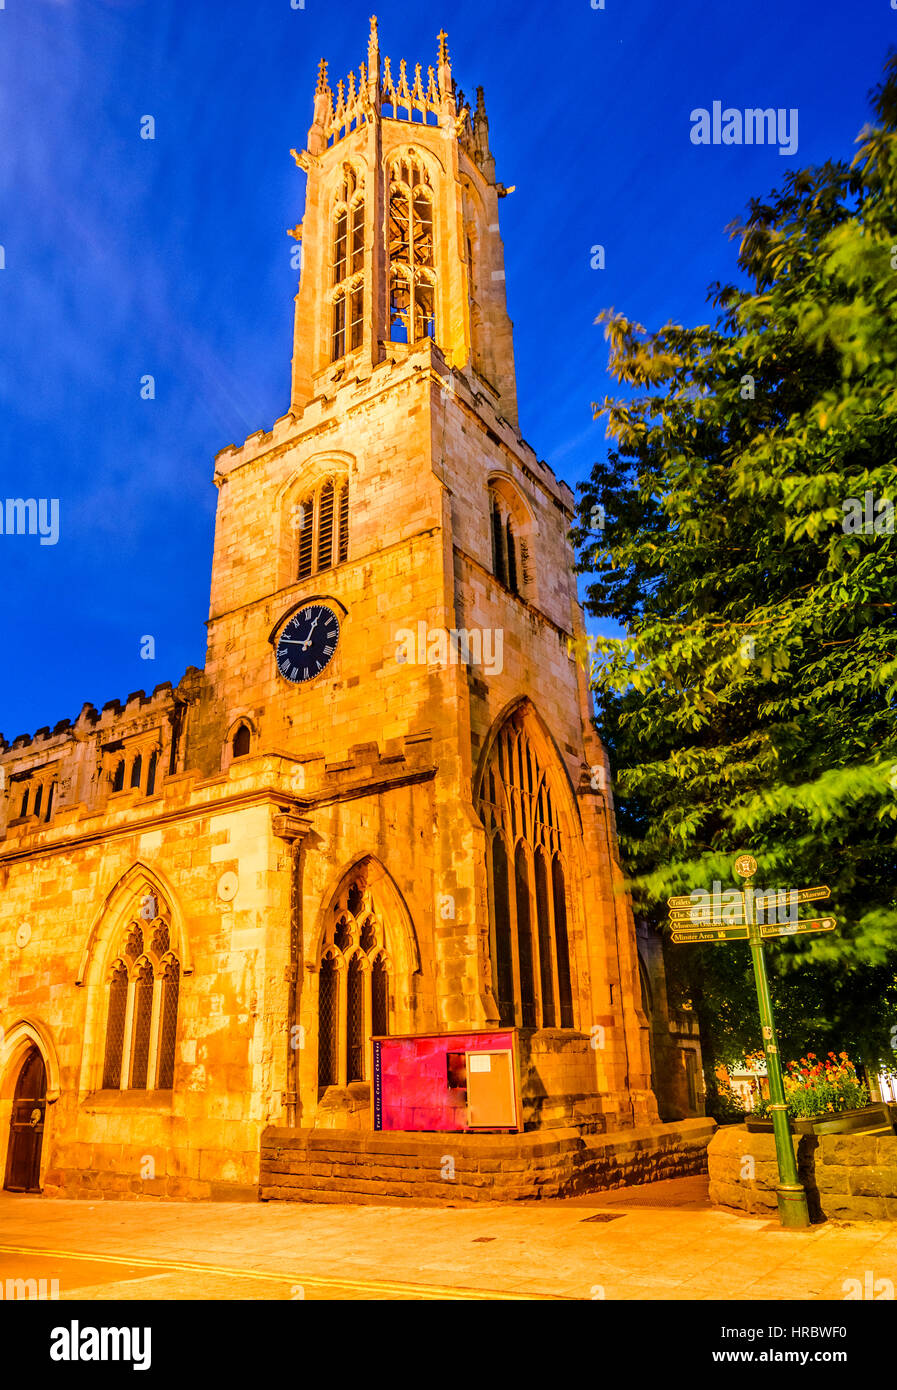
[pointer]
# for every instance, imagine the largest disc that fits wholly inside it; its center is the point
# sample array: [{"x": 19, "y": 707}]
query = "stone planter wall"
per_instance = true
[
  {"x": 315, "y": 1165},
  {"x": 847, "y": 1177}
]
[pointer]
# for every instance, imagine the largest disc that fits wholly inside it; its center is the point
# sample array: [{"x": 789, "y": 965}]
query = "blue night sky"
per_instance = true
[{"x": 170, "y": 257}]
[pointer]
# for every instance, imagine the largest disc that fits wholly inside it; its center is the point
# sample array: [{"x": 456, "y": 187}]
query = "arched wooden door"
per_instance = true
[{"x": 27, "y": 1126}]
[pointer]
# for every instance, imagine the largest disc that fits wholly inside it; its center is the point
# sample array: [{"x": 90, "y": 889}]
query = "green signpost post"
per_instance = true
[{"x": 739, "y": 923}]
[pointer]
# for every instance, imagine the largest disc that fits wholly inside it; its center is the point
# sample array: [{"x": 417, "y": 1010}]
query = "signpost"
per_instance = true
[
  {"x": 795, "y": 928},
  {"x": 697, "y": 918},
  {"x": 710, "y": 933},
  {"x": 740, "y": 924}
]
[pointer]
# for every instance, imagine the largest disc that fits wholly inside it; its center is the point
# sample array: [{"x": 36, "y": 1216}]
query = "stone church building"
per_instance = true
[{"x": 380, "y": 807}]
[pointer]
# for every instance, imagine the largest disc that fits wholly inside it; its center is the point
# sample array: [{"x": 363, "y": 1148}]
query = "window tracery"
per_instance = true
[
  {"x": 410, "y": 247},
  {"x": 528, "y": 882},
  {"x": 353, "y": 987},
  {"x": 143, "y": 982}
]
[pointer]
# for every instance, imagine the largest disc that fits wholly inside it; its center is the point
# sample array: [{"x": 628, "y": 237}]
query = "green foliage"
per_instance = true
[
  {"x": 723, "y": 1104},
  {"x": 753, "y": 702}
]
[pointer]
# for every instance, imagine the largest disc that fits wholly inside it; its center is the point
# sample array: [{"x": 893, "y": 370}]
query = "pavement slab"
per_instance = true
[{"x": 665, "y": 1242}]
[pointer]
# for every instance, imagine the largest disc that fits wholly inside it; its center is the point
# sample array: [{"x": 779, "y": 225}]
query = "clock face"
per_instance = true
[{"x": 307, "y": 643}]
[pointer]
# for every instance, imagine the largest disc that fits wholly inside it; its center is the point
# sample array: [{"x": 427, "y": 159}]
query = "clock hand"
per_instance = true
[{"x": 305, "y": 645}]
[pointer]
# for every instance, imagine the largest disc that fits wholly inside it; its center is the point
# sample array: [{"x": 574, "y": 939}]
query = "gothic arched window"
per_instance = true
[
  {"x": 241, "y": 742},
  {"x": 347, "y": 268},
  {"x": 510, "y": 553},
  {"x": 322, "y": 523},
  {"x": 409, "y": 244},
  {"x": 353, "y": 987},
  {"x": 142, "y": 1003},
  {"x": 527, "y": 881}
]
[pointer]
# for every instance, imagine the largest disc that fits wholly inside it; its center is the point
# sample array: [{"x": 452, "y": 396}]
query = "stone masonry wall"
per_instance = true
[
  {"x": 847, "y": 1177},
  {"x": 303, "y": 1165}
]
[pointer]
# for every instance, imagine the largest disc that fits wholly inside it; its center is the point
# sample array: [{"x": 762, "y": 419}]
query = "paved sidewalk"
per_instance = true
[{"x": 658, "y": 1242}]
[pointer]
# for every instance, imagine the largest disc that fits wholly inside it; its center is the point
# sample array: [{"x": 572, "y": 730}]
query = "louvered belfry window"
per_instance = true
[
  {"x": 530, "y": 947},
  {"x": 323, "y": 527},
  {"x": 306, "y": 537},
  {"x": 142, "y": 1001},
  {"x": 353, "y": 987},
  {"x": 509, "y": 554},
  {"x": 343, "y": 547}
]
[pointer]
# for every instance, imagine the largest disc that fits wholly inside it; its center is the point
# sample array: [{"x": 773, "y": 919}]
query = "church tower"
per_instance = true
[
  {"x": 390, "y": 647},
  {"x": 381, "y": 809}
]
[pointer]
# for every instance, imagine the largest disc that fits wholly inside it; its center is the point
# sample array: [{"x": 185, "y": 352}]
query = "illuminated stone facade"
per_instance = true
[{"x": 226, "y": 887}]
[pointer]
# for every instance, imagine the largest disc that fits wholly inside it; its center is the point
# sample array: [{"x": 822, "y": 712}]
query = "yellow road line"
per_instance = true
[{"x": 316, "y": 1281}]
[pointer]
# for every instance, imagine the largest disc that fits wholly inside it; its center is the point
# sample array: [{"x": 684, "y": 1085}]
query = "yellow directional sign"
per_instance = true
[
  {"x": 793, "y": 928},
  {"x": 712, "y": 934},
  {"x": 698, "y": 913},
  {"x": 787, "y": 895},
  {"x": 697, "y": 918}
]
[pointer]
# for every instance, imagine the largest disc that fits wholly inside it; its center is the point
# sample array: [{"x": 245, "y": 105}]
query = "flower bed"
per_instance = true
[{"x": 824, "y": 1098}]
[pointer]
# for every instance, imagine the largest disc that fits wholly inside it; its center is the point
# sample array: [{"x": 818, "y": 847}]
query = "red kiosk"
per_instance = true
[{"x": 447, "y": 1081}]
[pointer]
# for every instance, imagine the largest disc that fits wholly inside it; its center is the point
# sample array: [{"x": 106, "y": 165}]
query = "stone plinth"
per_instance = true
[
  {"x": 847, "y": 1177},
  {"x": 314, "y": 1165}
]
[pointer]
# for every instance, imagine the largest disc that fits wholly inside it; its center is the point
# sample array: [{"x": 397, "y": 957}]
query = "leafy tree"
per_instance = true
[{"x": 752, "y": 704}]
